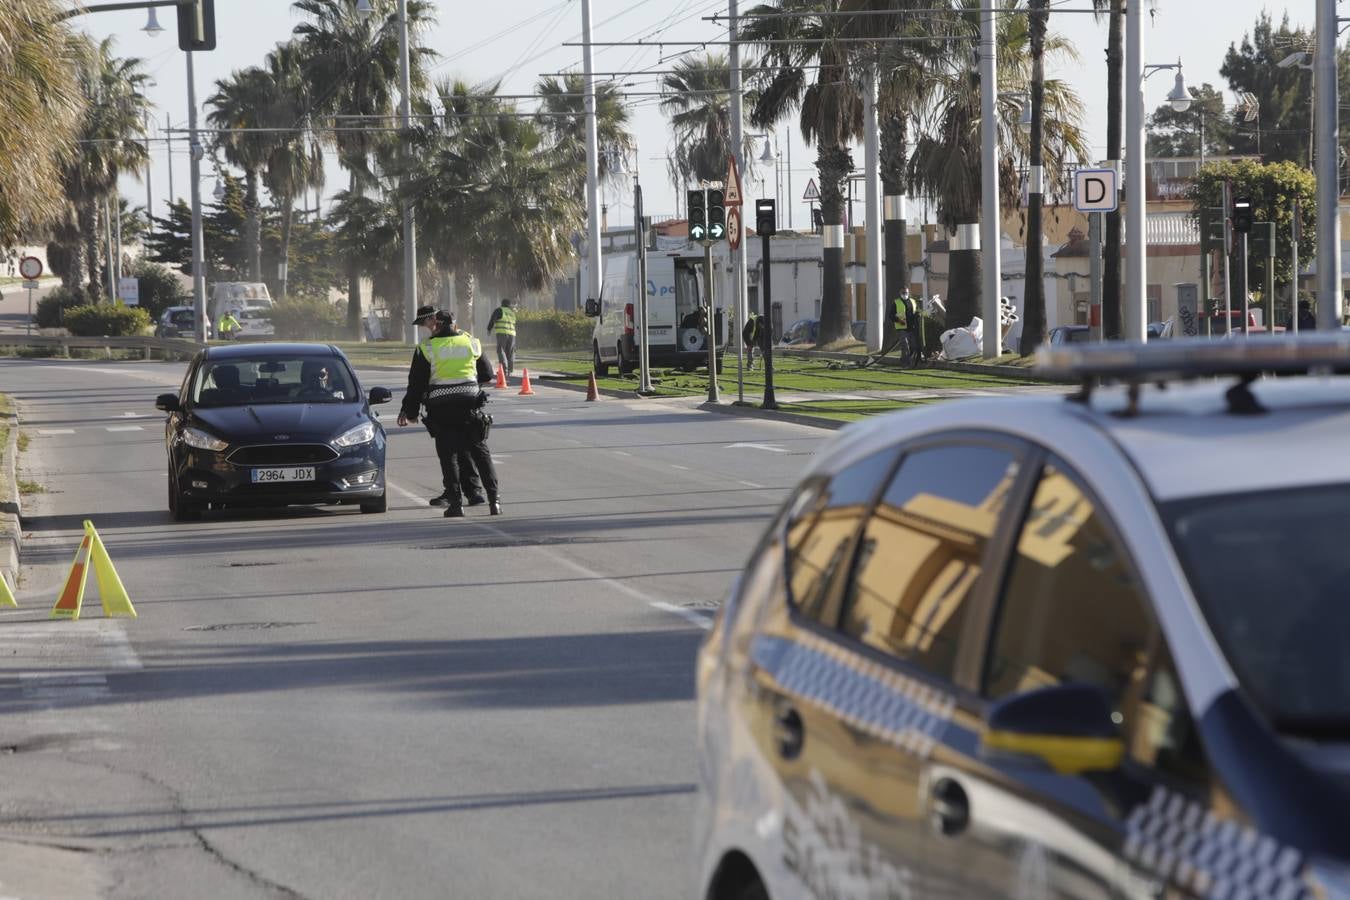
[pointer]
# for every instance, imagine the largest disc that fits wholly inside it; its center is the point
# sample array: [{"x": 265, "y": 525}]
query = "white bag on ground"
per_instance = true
[{"x": 960, "y": 343}]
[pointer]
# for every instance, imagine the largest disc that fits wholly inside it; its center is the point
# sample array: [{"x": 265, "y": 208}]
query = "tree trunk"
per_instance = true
[
  {"x": 287, "y": 213},
  {"x": 963, "y": 287},
  {"x": 464, "y": 291},
  {"x": 1112, "y": 327},
  {"x": 354, "y": 331},
  {"x": 894, "y": 153},
  {"x": 253, "y": 225},
  {"x": 834, "y": 163},
  {"x": 90, "y": 231},
  {"x": 1033, "y": 301}
]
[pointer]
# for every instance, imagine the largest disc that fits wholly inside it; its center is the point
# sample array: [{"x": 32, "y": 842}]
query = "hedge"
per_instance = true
[
  {"x": 308, "y": 319},
  {"x": 49, "y": 309},
  {"x": 160, "y": 288},
  {"x": 107, "y": 320},
  {"x": 552, "y": 329}
]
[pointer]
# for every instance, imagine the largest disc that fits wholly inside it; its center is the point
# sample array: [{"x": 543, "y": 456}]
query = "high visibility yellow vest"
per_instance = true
[
  {"x": 903, "y": 307},
  {"x": 228, "y": 323},
  {"x": 453, "y": 358},
  {"x": 506, "y": 321}
]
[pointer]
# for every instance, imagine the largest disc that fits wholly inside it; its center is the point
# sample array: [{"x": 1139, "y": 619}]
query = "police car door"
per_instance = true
[{"x": 1034, "y": 804}]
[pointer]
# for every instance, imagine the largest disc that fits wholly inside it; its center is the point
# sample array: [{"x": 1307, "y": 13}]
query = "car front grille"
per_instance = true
[{"x": 282, "y": 454}]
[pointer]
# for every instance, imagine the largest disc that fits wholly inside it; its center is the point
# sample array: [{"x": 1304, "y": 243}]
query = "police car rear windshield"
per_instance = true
[{"x": 1272, "y": 574}]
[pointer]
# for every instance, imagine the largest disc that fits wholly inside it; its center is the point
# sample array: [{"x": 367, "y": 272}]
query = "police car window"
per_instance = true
[
  {"x": 821, "y": 528},
  {"x": 1162, "y": 735},
  {"x": 920, "y": 554},
  {"x": 1071, "y": 609}
]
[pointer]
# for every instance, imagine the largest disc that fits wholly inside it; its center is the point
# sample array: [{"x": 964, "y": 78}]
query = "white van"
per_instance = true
[
  {"x": 674, "y": 294},
  {"x": 235, "y": 295}
]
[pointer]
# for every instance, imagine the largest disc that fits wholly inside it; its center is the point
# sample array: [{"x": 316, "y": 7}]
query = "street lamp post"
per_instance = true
[
  {"x": 1327, "y": 171},
  {"x": 195, "y": 175}
]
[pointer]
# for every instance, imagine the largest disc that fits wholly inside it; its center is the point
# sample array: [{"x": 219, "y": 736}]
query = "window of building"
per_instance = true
[
  {"x": 921, "y": 553},
  {"x": 1071, "y": 610},
  {"x": 821, "y": 528}
]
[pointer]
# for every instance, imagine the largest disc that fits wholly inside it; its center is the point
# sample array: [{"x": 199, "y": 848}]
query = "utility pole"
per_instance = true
[
  {"x": 409, "y": 225},
  {"x": 1134, "y": 310},
  {"x": 640, "y": 235},
  {"x": 195, "y": 177},
  {"x": 989, "y": 222},
  {"x": 1328, "y": 176},
  {"x": 168, "y": 145},
  {"x": 876, "y": 291},
  {"x": 714, "y": 393},
  {"x": 149, "y": 194},
  {"x": 592, "y": 154},
  {"x": 740, "y": 303},
  {"x": 1297, "y": 234},
  {"x": 766, "y": 223}
]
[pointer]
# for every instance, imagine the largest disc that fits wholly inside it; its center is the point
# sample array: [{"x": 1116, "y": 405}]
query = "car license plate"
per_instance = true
[{"x": 289, "y": 473}]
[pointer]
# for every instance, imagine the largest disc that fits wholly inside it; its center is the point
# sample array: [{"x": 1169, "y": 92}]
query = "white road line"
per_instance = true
[
  {"x": 655, "y": 602},
  {"x": 571, "y": 441},
  {"x": 681, "y": 468},
  {"x": 621, "y": 453},
  {"x": 125, "y": 428},
  {"x": 50, "y": 431},
  {"x": 750, "y": 484},
  {"x": 134, "y": 415},
  {"x": 768, "y": 447},
  {"x": 535, "y": 412}
]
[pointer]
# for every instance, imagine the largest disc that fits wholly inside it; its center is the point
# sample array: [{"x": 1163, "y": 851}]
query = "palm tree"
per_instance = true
[
  {"x": 295, "y": 163},
  {"x": 946, "y": 160},
  {"x": 110, "y": 136},
  {"x": 698, "y": 103},
  {"x": 562, "y": 111},
  {"x": 40, "y": 85},
  {"x": 244, "y": 101},
  {"x": 830, "y": 113},
  {"x": 1112, "y": 324},
  {"x": 1033, "y": 300},
  {"x": 353, "y": 63}
]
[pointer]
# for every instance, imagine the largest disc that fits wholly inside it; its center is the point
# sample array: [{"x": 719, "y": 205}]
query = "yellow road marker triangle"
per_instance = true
[
  {"x": 72, "y": 594},
  {"x": 6, "y": 595},
  {"x": 111, "y": 592}
]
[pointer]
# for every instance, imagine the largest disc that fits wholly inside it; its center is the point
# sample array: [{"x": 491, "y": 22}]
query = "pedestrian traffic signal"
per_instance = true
[
  {"x": 1242, "y": 214},
  {"x": 766, "y": 217},
  {"x": 698, "y": 217},
  {"x": 197, "y": 25},
  {"x": 717, "y": 215}
]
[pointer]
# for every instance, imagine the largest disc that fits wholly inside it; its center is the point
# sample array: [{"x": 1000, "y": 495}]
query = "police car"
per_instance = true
[{"x": 1084, "y": 646}]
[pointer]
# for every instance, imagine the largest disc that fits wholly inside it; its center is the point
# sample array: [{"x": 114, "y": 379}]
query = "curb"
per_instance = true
[
  {"x": 11, "y": 529},
  {"x": 754, "y": 412}
]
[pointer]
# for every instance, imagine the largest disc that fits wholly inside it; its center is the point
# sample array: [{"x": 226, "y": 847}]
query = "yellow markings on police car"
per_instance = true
[{"x": 1066, "y": 755}]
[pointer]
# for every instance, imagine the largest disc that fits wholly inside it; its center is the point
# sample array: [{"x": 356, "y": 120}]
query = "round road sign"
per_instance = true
[{"x": 30, "y": 267}]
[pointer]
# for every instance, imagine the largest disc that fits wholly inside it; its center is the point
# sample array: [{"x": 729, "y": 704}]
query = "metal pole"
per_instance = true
[
  {"x": 592, "y": 152},
  {"x": 1243, "y": 280},
  {"x": 1134, "y": 309},
  {"x": 876, "y": 291},
  {"x": 1297, "y": 228},
  {"x": 1328, "y": 178},
  {"x": 168, "y": 144},
  {"x": 640, "y": 234},
  {"x": 1095, "y": 272},
  {"x": 117, "y": 230},
  {"x": 409, "y": 225},
  {"x": 766, "y": 333},
  {"x": 195, "y": 177},
  {"x": 1227, "y": 258},
  {"x": 787, "y": 199},
  {"x": 714, "y": 395},
  {"x": 149, "y": 194},
  {"x": 989, "y": 222},
  {"x": 741, "y": 300},
  {"x": 30, "y": 311},
  {"x": 1270, "y": 281}
]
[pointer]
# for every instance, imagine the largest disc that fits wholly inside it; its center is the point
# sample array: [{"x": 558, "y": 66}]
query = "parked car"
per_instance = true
[
  {"x": 807, "y": 331},
  {"x": 177, "y": 321},
  {"x": 1070, "y": 334},
  {"x": 273, "y": 425},
  {"x": 1041, "y": 646}
]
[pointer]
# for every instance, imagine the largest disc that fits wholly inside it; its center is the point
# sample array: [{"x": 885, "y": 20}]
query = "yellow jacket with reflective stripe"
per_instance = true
[
  {"x": 453, "y": 359},
  {"x": 506, "y": 321}
]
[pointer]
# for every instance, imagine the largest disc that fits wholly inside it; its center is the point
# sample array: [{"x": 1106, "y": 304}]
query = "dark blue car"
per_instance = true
[{"x": 273, "y": 425}]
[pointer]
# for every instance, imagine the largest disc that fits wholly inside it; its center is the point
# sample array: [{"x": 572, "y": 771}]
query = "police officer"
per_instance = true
[
  {"x": 228, "y": 327},
  {"x": 446, "y": 371},
  {"x": 469, "y": 482},
  {"x": 503, "y": 324}
]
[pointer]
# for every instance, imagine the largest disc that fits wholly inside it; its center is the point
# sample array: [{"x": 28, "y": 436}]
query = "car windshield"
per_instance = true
[
  {"x": 268, "y": 378},
  {"x": 1270, "y": 572}
]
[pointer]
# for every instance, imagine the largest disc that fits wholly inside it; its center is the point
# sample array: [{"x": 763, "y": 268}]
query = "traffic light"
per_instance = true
[
  {"x": 1242, "y": 214},
  {"x": 698, "y": 216},
  {"x": 717, "y": 215},
  {"x": 197, "y": 25},
  {"x": 766, "y": 217}
]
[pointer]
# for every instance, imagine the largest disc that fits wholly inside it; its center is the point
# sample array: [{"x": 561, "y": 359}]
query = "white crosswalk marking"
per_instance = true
[
  {"x": 125, "y": 428},
  {"x": 47, "y": 431}
]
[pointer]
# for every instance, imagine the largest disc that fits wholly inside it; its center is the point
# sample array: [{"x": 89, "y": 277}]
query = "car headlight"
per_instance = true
[
  {"x": 361, "y": 434},
  {"x": 203, "y": 440}
]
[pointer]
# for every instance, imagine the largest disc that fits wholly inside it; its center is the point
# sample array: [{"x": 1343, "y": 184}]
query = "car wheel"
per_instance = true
[
  {"x": 601, "y": 367},
  {"x": 182, "y": 509},
  {"x": 624, "y": 366},
  {"x": 378, "y": 505}
]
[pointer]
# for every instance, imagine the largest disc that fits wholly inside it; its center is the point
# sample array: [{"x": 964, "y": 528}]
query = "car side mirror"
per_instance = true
[
  {"x": 380, "y": 395},
  {"x": 592, "y": 307},
  {"x": 1066, "y": 726},
  {"x": 168, "y": 403}
]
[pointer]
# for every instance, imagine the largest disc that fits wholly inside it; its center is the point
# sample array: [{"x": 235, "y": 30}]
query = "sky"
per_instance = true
[{"x": 516, "y": 41}]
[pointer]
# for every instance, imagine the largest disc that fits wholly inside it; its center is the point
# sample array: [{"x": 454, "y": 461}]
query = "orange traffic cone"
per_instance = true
[
  {"x": 525, "y": 389},
  {"x": 592, "y": 392},
  {"x": 501, "y": 376}
]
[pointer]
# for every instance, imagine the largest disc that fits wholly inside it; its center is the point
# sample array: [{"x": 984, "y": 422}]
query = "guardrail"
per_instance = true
[{"x": 65, "y": 343}]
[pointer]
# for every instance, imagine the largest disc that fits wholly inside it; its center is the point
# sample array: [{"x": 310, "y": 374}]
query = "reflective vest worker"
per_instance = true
[
  {"x": 503, "y": 324},
  {"x": 228, "y": 327},
  {"x": 444, "y": 376},
  {"x": 905, "y": 312}
]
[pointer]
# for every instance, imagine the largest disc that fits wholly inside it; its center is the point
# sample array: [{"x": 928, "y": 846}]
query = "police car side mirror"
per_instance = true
[
  {"x": 1066, "y": 726},
  {"x": 380, "y": 395},
  {"x": 592, "y": 307},
  {"x": 167, "y": 402}
]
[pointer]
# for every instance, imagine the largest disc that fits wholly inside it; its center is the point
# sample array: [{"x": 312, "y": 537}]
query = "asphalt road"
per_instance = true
[{"x": 329, "y": 704}]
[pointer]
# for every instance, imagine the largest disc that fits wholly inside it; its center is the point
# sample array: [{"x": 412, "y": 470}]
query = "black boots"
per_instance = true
[
  {"x": 454, "y": 512},
  {"x": 495, "y": 506},
  {"x": 440, "y": 500}
]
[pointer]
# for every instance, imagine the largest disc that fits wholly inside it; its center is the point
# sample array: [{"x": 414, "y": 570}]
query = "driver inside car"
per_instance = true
[{"x": 315, "y": 381}]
